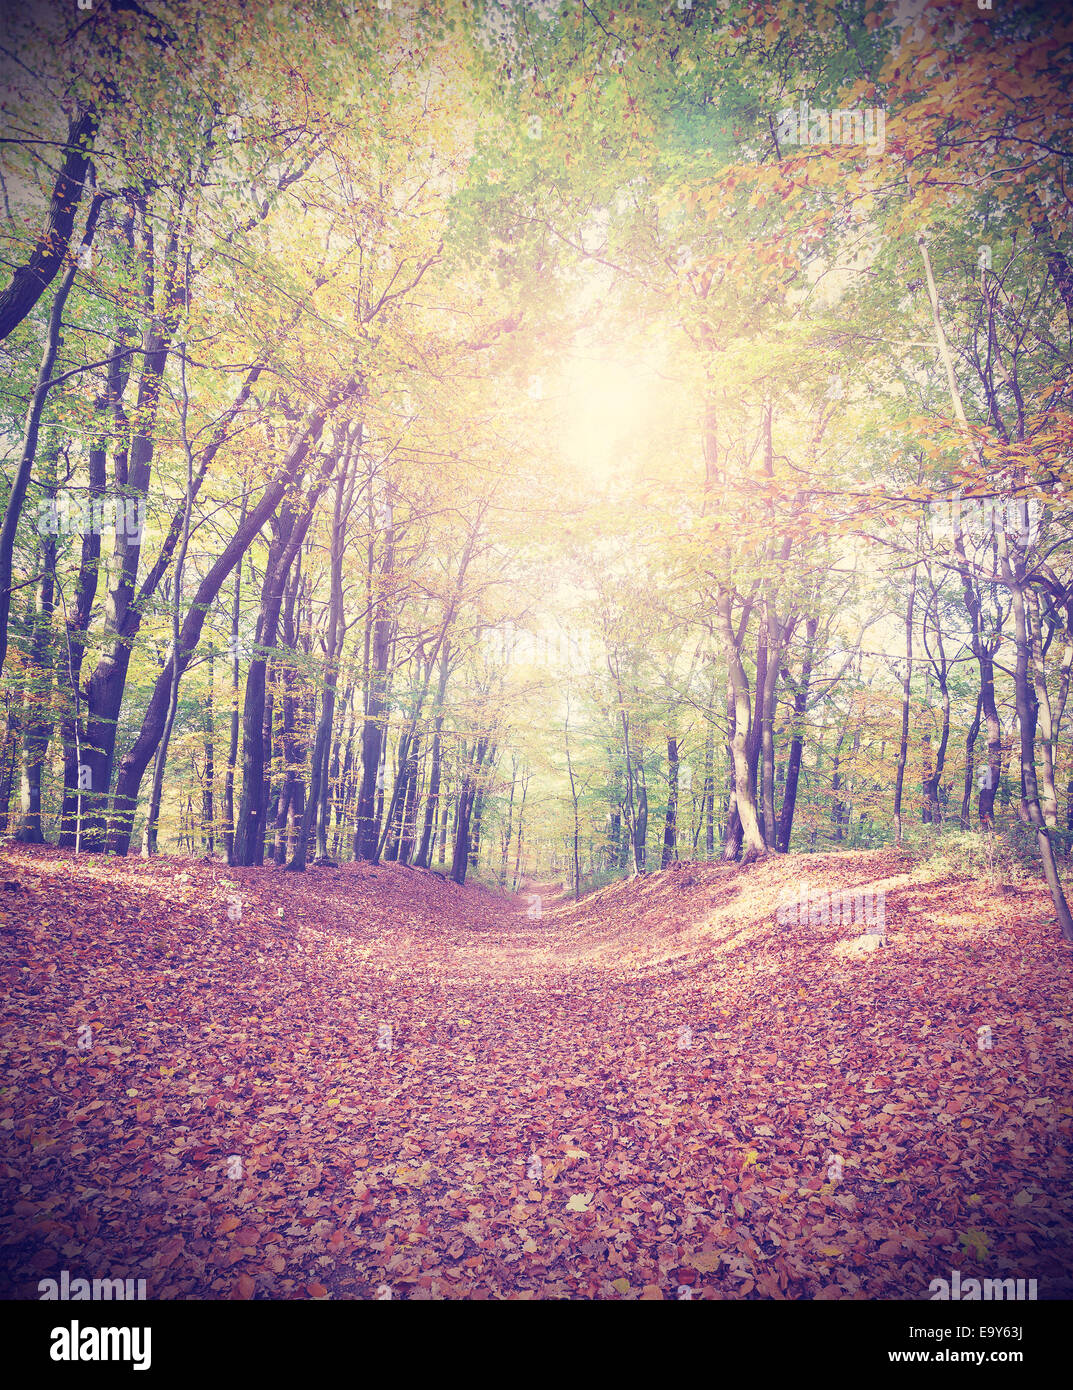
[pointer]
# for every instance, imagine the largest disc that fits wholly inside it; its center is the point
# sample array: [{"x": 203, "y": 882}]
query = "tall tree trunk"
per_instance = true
[
  {"x": 37, "y": 720},
  {"x": 744, "y": 771},
  {"x": 508, "y": 832},
  {"x": 708, "y": 804},
  {"x": 933, "y": 780},
  {"x": 348, "y": 445},
  {"x": 838, "y": 804},
  {"x": 408, "y": 828},
  {"x": 367, "y": 826},
  {"x": 755, "y": 736},
  {"x": 149, "y": 845},
  {"x": 9, "y": 757},
  {"x": 77, "y": 620},
  {"x": 256, "y": 710},
  {"x": 793, "y": 763},
  {"x": 432, "y": 804},
  {"x": 518, "y": 852},
  {"x": 970, "y": 745},
  {"x": 670, "y": 825},
  {"x": 475, "y": 828},
  {"x": 629, "y": 805},
  {"x": 574, "y": 798},
  {"x": 460, "y": 860},
  {"x": 232, "y": 746},
  {"x": 641, "y": 826},
  {"x": 444, "y": 824},
  {"x": 903, "y": 744},
  {"x": 208, "y": 800},
  {"x": 1047, "y": 790}
]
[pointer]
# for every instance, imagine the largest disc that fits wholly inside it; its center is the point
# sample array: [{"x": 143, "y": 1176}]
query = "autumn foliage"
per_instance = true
[{"x": 720, "y": 1106}]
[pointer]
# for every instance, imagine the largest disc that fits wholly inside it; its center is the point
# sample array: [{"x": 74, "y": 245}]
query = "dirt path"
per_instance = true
[{"x": 402, "y": 1086}]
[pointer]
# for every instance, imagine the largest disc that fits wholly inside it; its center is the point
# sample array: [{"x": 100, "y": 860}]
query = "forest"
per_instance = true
[
  {"x": 414, "y": 463},
  {"x": 409, "y": 470}
]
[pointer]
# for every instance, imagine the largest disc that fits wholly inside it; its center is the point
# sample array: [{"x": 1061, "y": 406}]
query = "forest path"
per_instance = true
[{"x": 408, "y": 1087}]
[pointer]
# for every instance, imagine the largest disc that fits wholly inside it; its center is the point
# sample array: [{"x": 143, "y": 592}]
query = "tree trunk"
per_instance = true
[
  {"x": 432, "y": 804},
  {"x": 640, "y": 840},
  {"x": 744, "y": 784},
  {"x": 518, "y": 853},
  {"x": 208, "y": 806},
  {"x": 1048, "y": 792},
  {"x": 970, "y": 745},
  {"x": 793, "y": 763},
  {"x": 232, "y": 746},
  {"x": 708, "y": 805},
  {"x": 670, "y": 825},
  {"x": 460, "y": 860},
  {"x": 255, "y": 737},
  {"x": 37, "y": 720},
  {"x": 903, "y": 744},
  {"x": 367, "y": 825}
]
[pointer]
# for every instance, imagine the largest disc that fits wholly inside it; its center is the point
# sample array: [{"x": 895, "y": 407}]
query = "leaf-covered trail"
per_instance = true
[{"x": 405, "y": 1086}]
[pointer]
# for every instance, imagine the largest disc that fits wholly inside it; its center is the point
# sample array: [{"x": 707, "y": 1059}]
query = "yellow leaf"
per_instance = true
[
  {"x": 581, "y": 1201},
  {"x": 416, "y": 1176},
  {"x": 831, "y": 1250},
  {"x": 975, "y": 1240},
  {"x": 623, "y": 1285},
  {"x": 1023, "y": 1199}
]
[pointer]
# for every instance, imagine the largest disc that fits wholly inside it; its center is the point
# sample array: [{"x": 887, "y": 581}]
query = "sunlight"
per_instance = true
[{"x": 610, "y": 409}]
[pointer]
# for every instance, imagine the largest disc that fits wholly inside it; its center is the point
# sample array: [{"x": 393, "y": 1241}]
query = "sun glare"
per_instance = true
[{"x": 609, "y": 414}]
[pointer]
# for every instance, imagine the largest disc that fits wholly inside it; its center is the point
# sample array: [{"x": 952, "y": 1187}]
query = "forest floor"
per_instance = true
[{"x": 349, "y": 1100}]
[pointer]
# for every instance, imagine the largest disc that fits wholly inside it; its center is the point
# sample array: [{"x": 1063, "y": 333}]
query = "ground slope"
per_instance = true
[{"x": 401, "y": 1086}]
